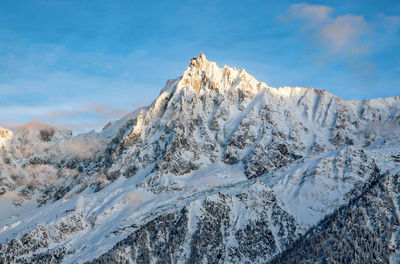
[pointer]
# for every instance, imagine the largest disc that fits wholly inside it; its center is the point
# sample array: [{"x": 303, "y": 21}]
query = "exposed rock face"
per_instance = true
[
  {"x": 212, "y": 230},
  {"x": 362, "y": 231},
  {"x": 220, "y": 168},
  {"x": 32, "y": 246}
]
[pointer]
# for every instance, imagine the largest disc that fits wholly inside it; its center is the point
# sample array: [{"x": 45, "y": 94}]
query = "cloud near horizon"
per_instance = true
[
  {"x": 84, "y": 118},
  {"x": 100, "y": 110}
]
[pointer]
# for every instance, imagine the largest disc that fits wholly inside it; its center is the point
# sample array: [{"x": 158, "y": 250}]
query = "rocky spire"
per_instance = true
[
  {"x": 203, "y": 74},
  {"x": 5, "y": 136}
]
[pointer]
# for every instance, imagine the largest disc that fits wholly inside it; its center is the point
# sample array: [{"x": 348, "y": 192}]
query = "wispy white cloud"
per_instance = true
[
  {"x": 388, "y": 22},
  {"x": 347, "y": 34},
  {"x": 307, "y": 12}
]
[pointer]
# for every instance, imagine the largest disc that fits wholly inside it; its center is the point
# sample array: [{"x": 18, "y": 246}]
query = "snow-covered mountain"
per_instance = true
[{"x": 220, "y": 168}]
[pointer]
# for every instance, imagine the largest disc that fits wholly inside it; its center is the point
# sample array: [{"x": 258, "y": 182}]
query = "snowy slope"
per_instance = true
[{"x": 217, "y": 157}]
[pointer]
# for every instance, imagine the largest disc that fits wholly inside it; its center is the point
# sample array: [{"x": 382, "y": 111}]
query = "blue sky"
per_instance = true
[{"x": 78, "y": 64}]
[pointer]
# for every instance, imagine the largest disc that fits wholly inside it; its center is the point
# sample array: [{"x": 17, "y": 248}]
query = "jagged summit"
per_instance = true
[
  {"x": 199, "y": 61},
  {"x": 206, "y": 77}
]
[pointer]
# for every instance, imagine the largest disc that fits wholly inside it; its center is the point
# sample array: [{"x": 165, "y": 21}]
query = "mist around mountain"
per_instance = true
[{"x": 220, "y": 168}]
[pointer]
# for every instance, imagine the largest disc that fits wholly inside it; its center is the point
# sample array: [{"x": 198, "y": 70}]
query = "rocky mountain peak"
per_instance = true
[
  {"x": 203, "y": 75},
  {"x": 199, "y": 61}
]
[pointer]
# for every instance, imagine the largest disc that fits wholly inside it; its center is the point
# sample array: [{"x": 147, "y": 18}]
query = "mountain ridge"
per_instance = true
[{"x": 214, "y": 151}]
